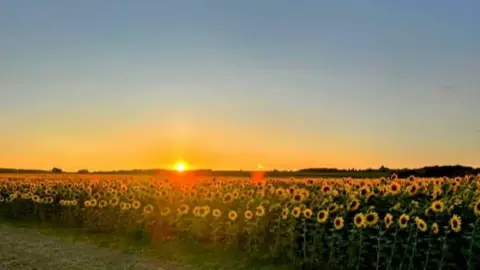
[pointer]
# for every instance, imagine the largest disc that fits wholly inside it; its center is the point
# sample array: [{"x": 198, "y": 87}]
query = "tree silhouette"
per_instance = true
[{"x": 56, "y": 170}]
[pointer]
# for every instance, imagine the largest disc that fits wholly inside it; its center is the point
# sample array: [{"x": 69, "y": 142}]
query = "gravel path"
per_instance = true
[{"x": 22, "y": 248}]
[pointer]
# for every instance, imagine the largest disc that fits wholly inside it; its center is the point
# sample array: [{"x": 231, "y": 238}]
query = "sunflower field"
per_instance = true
[{"x": 414, "y": 223}]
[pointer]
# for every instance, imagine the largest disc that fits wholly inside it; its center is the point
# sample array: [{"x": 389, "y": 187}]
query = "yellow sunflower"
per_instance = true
[
  {"x": 438, "y": 206},
  {"x": 371, "y": 219},
  {"x": 322, "y": 216},
  {"x": 232, "y": 215},
  {"x": 248, "y": 215},
  {"x": 338, "y": 223},
  {"x": 388, "y": 220},
  {"x": 296, "y": 212},
  {"x": 403, "y": 221},
  {"x": 421, "y": 224},
  {"x": 359, "y": 220},
  {"x": 307, "y": 213},
  {"x": 455, "y": 223}
]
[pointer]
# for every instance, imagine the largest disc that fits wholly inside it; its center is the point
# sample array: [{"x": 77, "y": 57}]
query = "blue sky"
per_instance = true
[{"x": 230, "y": 84}]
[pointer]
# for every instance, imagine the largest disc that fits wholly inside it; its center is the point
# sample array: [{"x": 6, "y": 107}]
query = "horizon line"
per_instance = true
[{"x": 239, "y": 169}]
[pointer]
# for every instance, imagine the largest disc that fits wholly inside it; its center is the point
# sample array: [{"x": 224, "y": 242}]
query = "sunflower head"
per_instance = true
[
  {"x": 232, "y": 215},
  {"x": 388, "y": 220},
  {"x": 307, "y": 213},
  {"x": 455, "y": 223},
  {"x": 421, "y": 224},
  {"x": 403, "y": 221},
  {"x": 476, "y": 208},
  {"x": 338, "y": 223},
  {"x": 438, "y": 206},
  {"x": 371, "y": 219},
  {"x": 359, "y": 220},
  {"x": 296, "y": 212},
  {"x": 248, "y": 215},
  {"x": 322, "y": 216}
]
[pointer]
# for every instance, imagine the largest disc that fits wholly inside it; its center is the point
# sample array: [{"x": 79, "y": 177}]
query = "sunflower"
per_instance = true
[
  {"x": 227, "y": 198},
  {"x": 248, "y": 215},
  {"x": 455, "y": 223},
  {"x": 435, "y": 228},
  {"x": 183, "y": 209},
  {"x": 296, "y": 212},
  {"x": 438, "y": 206},
  {"x": 148, "y": 209},
  {"x": 297, "y": 197},
  {"x": 114, "y": 201},
  {"x": 421, "y": 224},
  {"x": 403, "y": 221},
  {"x": 260, "y": 211},
  {"x": 476, "y": 208},
  {"x": 232, "y": 215},
  {"x": 365, "y": 191},
  {"x": 165, "y": 211},
  {"x": 359, "y": 220},
  {"x": 136, "y": 205},
  {"x": 353, "y": 205},
  {"x": 204, "y": 211},
  {"x": 326, "y": 188},
  {"x": 102, "y": 204},
  {"x": 216, "y": 213},
  {"x": 371, "y": 219},
  {"x": 394, "y": 188},
  {"x": 428, "y": 212},
  {"x": 388, "y": 220},
  {"x": 333, "y": 208},
  {"x": 307, "y": 213},
  {"x": 322, "y": 216},
  {"x": 280, "y": 192},
  {"x": 338, "y": 222},
  {"x": 123, "y": 206},
  {"x": 93, "y": 203},
  {"x": 412, "y": 189},
  {"x": 285, "y": 213}
]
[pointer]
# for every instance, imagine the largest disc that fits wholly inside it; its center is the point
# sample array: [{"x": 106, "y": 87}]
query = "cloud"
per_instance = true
[{"x": 442, "y": 90}]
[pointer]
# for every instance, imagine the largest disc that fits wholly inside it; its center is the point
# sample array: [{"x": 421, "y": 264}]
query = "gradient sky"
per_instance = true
[{"x": 231, "y": 84}]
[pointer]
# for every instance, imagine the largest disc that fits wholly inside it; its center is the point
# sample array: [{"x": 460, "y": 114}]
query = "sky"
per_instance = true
[{"x": 231, "y": 84}]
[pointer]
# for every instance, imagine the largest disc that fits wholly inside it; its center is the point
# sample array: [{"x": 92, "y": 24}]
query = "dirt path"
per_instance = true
[{"x": 22, "y": 248}]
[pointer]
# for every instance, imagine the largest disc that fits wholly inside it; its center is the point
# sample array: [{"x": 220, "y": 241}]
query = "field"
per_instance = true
[{"x": 329, "y": 223}]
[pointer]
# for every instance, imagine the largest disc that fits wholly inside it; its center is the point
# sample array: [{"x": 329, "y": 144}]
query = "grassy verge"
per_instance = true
[{"x": 185, "y": 255}]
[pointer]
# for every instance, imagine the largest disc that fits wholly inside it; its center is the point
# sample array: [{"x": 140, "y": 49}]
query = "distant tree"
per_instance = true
[
  {"x": 383, "y": 169},
  {"x": 83, "y": 171},
  {"x": 56, "y": 170}
]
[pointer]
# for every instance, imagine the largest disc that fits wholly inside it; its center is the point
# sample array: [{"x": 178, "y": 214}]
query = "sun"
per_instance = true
[{"x": 181, "y": 166}]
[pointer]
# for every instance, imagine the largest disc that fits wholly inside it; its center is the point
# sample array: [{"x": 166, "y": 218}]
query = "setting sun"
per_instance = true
[{"x": 181, "y": 166}]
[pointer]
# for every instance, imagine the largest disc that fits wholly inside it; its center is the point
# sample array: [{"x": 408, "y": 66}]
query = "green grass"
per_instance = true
[{"x": 185, "y": 255}]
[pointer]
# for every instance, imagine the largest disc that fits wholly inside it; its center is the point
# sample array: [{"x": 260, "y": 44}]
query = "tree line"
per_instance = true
[{"x": 427, "y": 171}]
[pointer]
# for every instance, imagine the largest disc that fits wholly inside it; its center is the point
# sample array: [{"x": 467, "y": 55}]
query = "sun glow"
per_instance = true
[{"x": 181, "y": 166}]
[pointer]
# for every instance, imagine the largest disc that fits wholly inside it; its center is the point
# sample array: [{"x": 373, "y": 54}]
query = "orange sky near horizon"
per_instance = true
[{"x": 220, "y": 146}]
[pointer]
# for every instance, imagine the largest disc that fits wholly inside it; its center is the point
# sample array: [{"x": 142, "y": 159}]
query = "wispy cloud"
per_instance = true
[{"x": 442, "y": 90}]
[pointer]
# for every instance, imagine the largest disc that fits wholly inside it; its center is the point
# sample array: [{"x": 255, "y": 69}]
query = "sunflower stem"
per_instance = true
[
  {"x": 472, "y": 240},
  {"x": 406, "y": 248},
  {"x": 360, "y": 246},
  {"x": 440, "y": 266},
  {"x": 393, "y": 248},
  {"x": 428, "y": 250},
  {"x": 379, "y": 248},
  {"x": 413, "y": 249},
  {"x": 304, "y": 235}
]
